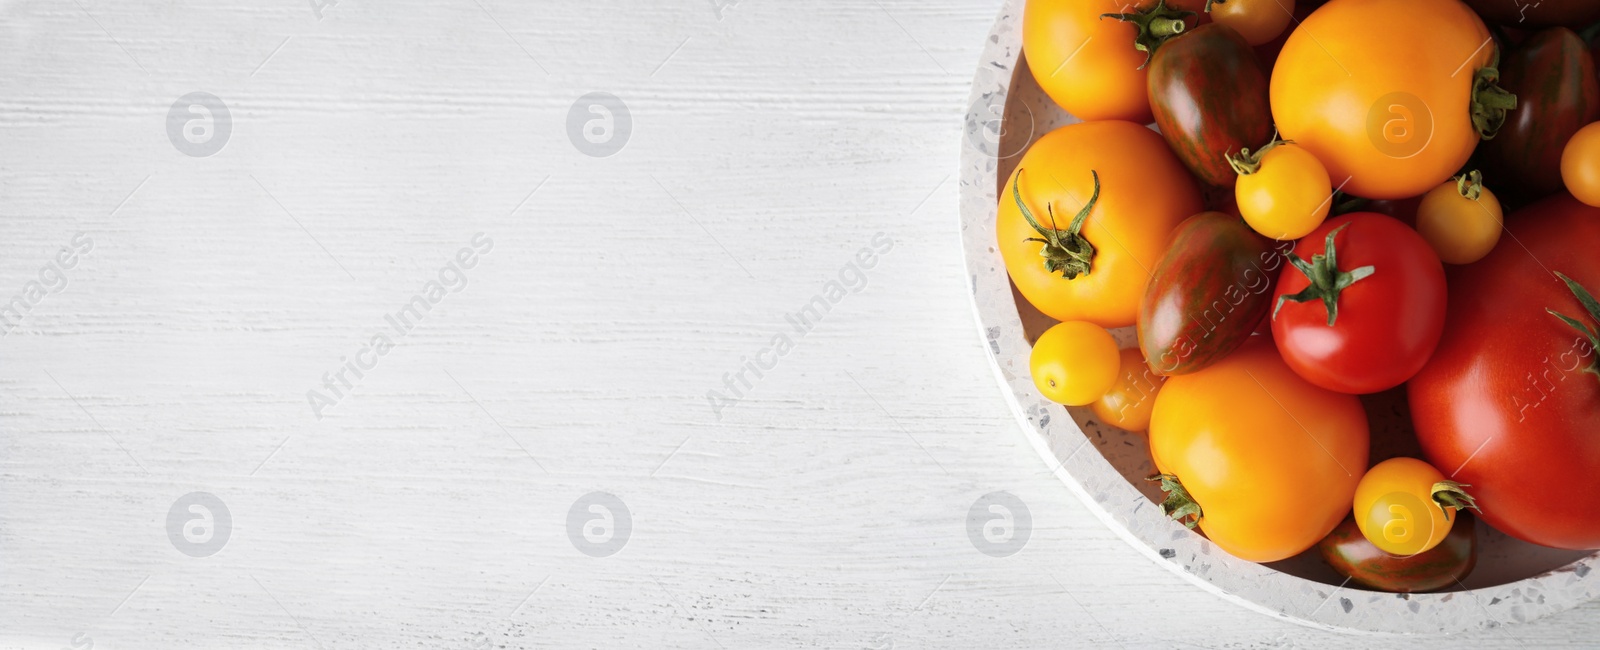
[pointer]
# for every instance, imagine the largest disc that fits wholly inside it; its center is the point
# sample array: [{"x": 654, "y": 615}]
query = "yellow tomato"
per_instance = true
[
  {"x": 1404, "y": 506},
  {"x": 1143, "y": 194},
  {"x": 1129, "y": 402},
  {"x": 1087, "y": 63},
  {"x": 1268, "y": 461},
  {"x": 1074, "y": 363},
  {"x": 1384, "y": 92},
  {"x": 1258, "y": 21},
  {"x": 1460, "y": 219},
  {"x": 1283, "y": 191},
  {"x": 1580, "y": 165}
]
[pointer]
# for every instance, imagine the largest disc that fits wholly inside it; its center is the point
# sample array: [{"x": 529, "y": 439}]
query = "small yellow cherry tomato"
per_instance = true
[
  {"x": 1258, "y": 21},
  {"x": 1404, "y": 506},
  {"x": 1580, "y": 164},
  {"x": 1132, "y": 398},
  {"x": 1283, "y": 191},
  {"x": 1074, "y": 363},
  {"x": 1460, "y": 219}
]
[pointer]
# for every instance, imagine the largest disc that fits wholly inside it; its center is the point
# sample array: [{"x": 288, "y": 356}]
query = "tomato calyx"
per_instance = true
[
  {"x": 1470, "y": 185},
  {"x": 1065, "y": 251},
  {"x": 1213, "y": 2},
  {"x": 1327, "y": 281},
  {"x": 1490, "y": 102},
  {"x": 1178, "y": 504},
  {"x": 1245, "y": 163},
  {"x": 1155, "y": 25},
  {"x": 1449, "y": 494},
  {"x": 1589, "y": 305}
]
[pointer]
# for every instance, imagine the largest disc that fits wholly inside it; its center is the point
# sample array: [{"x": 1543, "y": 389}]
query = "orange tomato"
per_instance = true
[
  {"x": 1461, "y": 220},
  {"x": 1383, "y": 92},
  {"x": 1074, "y": 363},
  {"x": 1258, "y": 21},
  {"x": 1144, "y": 192},
  {"x": 1132, "y": 398},
  {"x": 1271, "y": 460},
  {"x": 1283, "y": 193},
  {"x": 1404, "y": 506},
  {"x": 1087, "y": 63},
  {"x": 1580, "y": 165}
]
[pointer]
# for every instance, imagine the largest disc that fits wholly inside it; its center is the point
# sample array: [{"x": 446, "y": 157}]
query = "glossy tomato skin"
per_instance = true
[
  {"x": 1129, "y": 226},
  {"x": 1381, "y": 92},
  {"x": 1288, "y": 196},
  {"x": 1352, "y": 556},
  {"x": 1207, "y": 295},
  {"x": 1388, "y": 323},
  {"x": 1580, "y": 164},
  {"x": 1209, "y": 96},
  {"x": 1074, "y": 363},
  {"x": 1504, "y": 405},
  {"x": 1396, "y": 510},
  {"x": 1553, "y": 77},
  {"x": 1258, "y": 21},
  {"x": 1088, "y": 64},
  {"x": 1245, "y": 437},
  {"x": 1460, "y": 229},
  {"x": 1542, "y": 13}
]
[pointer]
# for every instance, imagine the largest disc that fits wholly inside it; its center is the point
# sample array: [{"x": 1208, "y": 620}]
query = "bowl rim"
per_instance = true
[{"x": 1057, "y": 438}]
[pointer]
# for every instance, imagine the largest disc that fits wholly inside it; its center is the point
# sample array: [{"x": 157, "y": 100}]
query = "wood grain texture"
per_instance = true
[{"x": 827, "y": 508}]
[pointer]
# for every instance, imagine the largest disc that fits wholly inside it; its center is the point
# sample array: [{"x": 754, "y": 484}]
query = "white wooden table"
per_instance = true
[{"x": 440, "y": 499}]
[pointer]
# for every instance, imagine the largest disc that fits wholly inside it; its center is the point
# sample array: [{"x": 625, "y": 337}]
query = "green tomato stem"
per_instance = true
[
  {"x": 1450, "y": 495},
  {"x": 1067, "y": 251},
  {"x": 1490, "y": 102},
  {"x": 1156, "y": 25},
  {"x": 1470, "y": 185},
  {"x": 1178, "y": 504},
  {"x": 1245, "y": 163},
  {"x": 1590, "y": 305},
  {"x": 1327, "y": 281}
]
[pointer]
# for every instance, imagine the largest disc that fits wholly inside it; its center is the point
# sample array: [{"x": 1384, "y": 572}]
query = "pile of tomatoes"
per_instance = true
[{"x": 1338, "y": 199}]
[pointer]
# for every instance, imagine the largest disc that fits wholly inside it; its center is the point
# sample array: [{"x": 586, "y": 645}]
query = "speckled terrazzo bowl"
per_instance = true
[{"x": 1514, "y": 581}]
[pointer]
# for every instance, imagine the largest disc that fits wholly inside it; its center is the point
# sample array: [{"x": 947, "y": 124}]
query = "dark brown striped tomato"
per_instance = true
[
  {"x": 1352, "y": 556},
  {"x": 1531, "y": 14},
  {"x": 1209, "y": 96},
  {"x": 1207, "y": 294},
  {"x": 1553, "y": 77}
]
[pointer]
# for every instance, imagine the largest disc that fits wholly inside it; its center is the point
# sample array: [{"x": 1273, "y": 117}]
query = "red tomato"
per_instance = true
[
  {"x": 1508, "y": 403},
  {"x": 1375, "y": 313}
]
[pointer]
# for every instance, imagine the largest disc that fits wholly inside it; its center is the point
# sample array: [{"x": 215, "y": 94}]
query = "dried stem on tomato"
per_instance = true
[
  {"x": 1155, "y": 25},
  {"x": 1326, "y": 278},
  {"x": 1590, "y": 305},
  {"x": 1245, "y": 163},
  {"x": 1490, "y": 102},
  {"x": 1449, "y": 494},
  {"x": 1178, "y": 504},
  {"x": 1470, "y": 185},
  {"x": 1065, "y": 251}
]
